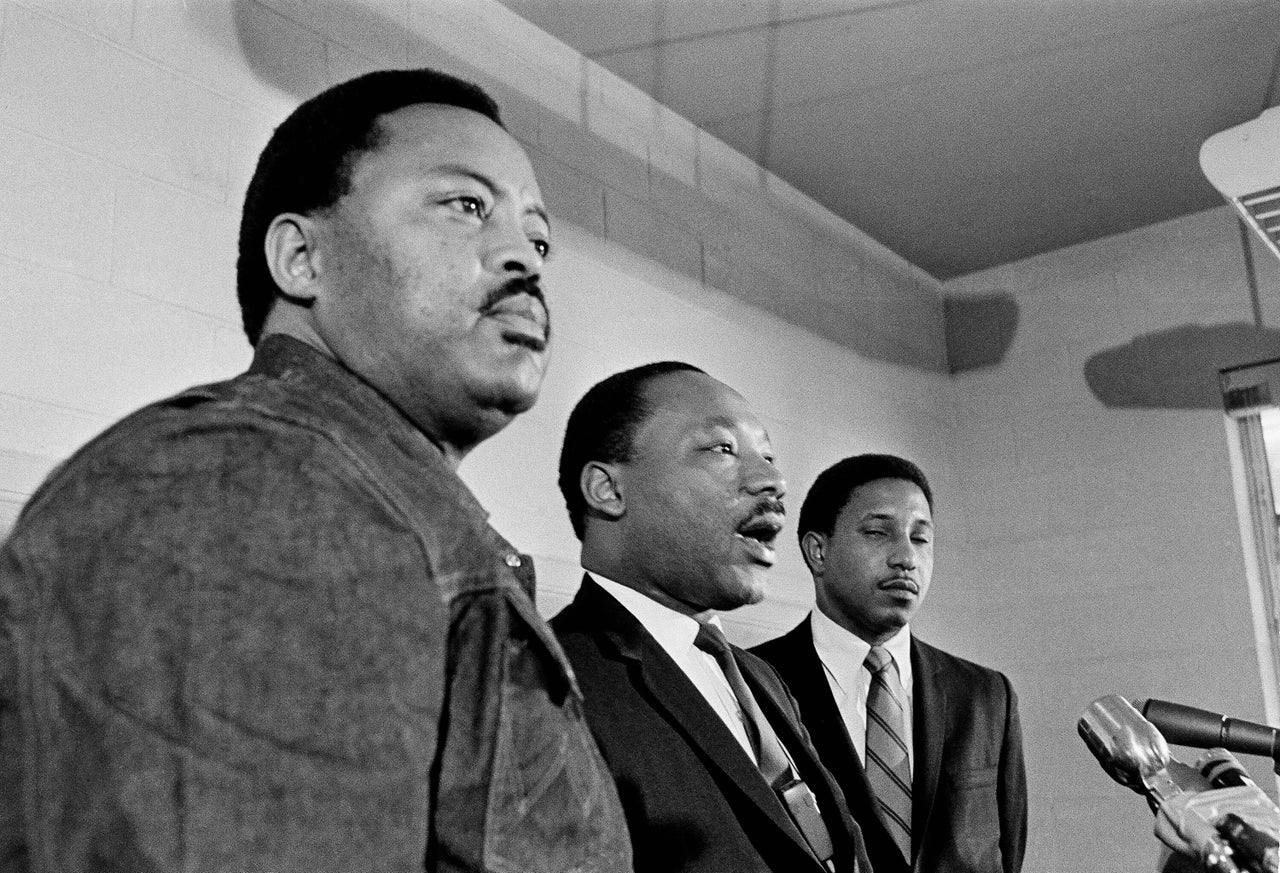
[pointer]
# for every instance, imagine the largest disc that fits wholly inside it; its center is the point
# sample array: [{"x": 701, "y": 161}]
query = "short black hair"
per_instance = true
[
  {"x": 308, "y": 161},
  {"x": 602, "y": 427},
  {"x": 834, "y": 485}
]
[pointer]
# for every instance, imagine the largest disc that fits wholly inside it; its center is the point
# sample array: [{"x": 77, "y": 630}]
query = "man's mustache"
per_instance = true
[
  {"x": 768, "y": 504},
  {"x": 520, "y": 285}
]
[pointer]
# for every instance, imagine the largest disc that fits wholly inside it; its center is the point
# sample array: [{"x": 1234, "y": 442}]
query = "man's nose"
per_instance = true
[
  {"x": 764, "y": 477},
  {"x": 509, "y": 250},
  {"x": 903, "y": 554}
]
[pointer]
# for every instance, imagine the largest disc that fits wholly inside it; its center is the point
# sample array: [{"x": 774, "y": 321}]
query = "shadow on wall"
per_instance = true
[
  {"x": 616, "y": 195},
  {"x": 1176, "y": 368},
  {"x": 980, "y": 329},
  {"x": 273, "y": 54}
]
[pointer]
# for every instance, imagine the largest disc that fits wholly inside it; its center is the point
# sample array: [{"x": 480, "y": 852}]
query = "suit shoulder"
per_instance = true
[
  {"x": 962, "y": 669},
  {"x": 566, "y": 621},
  {"x": 766, "y": 673},
  {"x": 575, "y": 631},
  {"x": 780, "y": 648}
]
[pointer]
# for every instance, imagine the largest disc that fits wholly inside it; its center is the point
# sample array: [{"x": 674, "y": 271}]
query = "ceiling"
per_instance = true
[{"x": 962, "y": 134}]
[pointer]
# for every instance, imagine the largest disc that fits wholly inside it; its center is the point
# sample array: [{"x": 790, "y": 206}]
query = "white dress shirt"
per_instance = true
[
  {"x": 675, "y": 633},
  {"x": 843, "y": 654}
]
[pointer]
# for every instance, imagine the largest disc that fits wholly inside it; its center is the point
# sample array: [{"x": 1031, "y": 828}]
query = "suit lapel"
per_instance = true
[
  {"x": 671, "y": 692},
  {"x": 821, "y": 715},
  {"x": 831, "y": 735},
  {"x": 930, "y": 721}
]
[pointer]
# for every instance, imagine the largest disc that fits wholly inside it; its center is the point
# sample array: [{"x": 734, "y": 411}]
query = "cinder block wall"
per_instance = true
[
  {"x": 129, "y": 129},
  {"x": 1083, "y": 548},
  {"x": 1102, "y": 553}
]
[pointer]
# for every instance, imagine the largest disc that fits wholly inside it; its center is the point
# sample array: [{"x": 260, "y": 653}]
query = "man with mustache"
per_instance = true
[
  {"x": 263, "y": 625},
  {"x": 671, "y": 486},
  {"x": 926, "y": 746}
]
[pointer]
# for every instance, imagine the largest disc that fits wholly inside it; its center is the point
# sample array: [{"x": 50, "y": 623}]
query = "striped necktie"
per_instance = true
[{"x": 887, "y": 765}]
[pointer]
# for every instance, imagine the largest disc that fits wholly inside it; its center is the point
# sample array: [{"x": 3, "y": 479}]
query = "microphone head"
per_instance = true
[{"x": 1128, "y": 747}]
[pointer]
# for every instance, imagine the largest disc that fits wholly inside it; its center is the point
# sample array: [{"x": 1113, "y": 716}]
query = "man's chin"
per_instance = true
[
  {"x": 513, "y": 391},
  {"x": 748, "y": 590}
]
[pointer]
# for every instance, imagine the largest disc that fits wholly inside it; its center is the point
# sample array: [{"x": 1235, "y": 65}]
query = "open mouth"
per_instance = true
[{"x": 760, "y": 532}]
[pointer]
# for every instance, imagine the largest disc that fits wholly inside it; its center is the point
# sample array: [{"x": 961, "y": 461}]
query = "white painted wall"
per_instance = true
[
  {"x": 1083, "y": 549},
  {"x": 129, "y": 130},
  {"x": 1102, "y": 552}
]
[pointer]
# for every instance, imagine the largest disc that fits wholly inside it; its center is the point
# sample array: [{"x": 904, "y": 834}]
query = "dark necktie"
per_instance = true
[
  {"x": 772, "y": 758},
  {"x": 887, "y": 765},
  {"x": 774, "y": 763}
]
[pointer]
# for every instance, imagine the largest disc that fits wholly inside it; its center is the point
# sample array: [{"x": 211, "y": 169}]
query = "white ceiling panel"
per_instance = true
[{"x": 960, "y": 133}]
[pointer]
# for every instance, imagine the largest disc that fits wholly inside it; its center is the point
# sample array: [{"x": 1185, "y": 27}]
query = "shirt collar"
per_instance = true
[
  {"x": 673, "y": 630},
  {"x": 843, "y": 652},
  {"x": 342, "y": 396}
]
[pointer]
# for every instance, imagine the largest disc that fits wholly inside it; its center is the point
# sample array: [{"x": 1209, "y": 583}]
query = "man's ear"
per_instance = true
[
  {"x": 602, "y": 490},
  {"x": 290, "y": 249},
  {"x": 813, "y": 546}
]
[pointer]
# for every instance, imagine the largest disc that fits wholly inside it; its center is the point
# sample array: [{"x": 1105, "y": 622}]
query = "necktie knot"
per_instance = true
[
  {"x": 878, "y": 659},
  {"x": 712, "y": 640}
]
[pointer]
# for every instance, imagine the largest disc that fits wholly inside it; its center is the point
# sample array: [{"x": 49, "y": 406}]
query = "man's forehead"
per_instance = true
[
  {"x": 890, "y": 498},
  {"x": 454, "y": 133},
  {"x": 699, "y": 400}
]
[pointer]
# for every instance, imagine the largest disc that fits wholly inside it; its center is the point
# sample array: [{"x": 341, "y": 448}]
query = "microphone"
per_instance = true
[
  {"x": 1201, "y": 729},
  {"x": 1134, "y": 753},
  {"x": 1242, "y": 812}
]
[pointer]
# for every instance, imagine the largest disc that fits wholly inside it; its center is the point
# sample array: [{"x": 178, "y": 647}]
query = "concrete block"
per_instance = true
[
  {"x": 44, "y": 430},
  {"x": 85, "y": 93},
  {"x": 21, "y": 473},
  {"x": 58, "y": 204},
  {"x": 78, "y": 345},
  {"x": 229, "y": 47},
  {"x": 634, "y": 224},
  {"x": 578, "y": 146},
  {"x": 175, "y": 247},
  {"x": 112, "y": 19},
  {"x": 570, "y": 195}
]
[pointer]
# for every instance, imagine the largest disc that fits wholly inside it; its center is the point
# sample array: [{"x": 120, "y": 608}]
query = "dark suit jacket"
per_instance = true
[
  {"x": 969, "y": 793},
  {"x": 693, "y": 799}
]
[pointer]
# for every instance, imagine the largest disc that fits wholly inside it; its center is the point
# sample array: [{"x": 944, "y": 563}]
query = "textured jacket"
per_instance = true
[{"x": 261, "y": 627}]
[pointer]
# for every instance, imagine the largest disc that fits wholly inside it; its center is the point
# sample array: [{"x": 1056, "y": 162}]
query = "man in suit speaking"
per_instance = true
[
  {"x": 671, "y": 485},
  {"x": 926, "y": 746}
]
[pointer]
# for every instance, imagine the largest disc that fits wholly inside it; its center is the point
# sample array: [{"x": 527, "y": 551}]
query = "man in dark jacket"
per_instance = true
[
  {"x": 263, "y": 625},
  {"x": 926, "y": 746},
  {"x": 671, "y": 485}
]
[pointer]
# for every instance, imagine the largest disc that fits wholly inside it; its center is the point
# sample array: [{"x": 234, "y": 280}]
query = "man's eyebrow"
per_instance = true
[
  {"x": 890, "y": 515},
  {"x": 541, "y": 213},
  {"x": 476, "y": 176}
]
